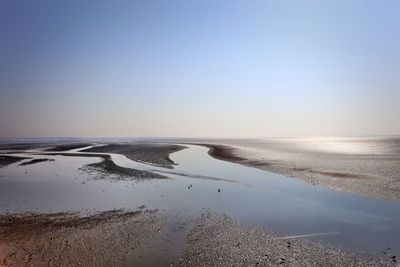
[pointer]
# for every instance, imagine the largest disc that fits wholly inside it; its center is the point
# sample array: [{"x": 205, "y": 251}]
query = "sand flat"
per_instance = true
[{"x": 367, "y": 166}]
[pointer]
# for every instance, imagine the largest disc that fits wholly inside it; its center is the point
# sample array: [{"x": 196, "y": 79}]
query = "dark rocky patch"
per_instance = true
[
  {"x": 66, "y": 147},
  {"x": 157, "y": 154},
  {"x": 108, "y": 167},
  {"x": 34, "y": 161},
  {"x": 21, "y": 146},
  {"x": 6, "y": 160},
  {"x": 223, "y": 152}
]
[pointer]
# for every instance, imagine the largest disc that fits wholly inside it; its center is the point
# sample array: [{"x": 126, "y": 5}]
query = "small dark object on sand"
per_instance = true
[
  {"x": 219, "y": 190},
  {"x": 288, "y": 244}
]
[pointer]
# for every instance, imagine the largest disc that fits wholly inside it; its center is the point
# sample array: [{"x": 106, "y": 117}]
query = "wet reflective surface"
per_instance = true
[{"x": 286, "y": 206}]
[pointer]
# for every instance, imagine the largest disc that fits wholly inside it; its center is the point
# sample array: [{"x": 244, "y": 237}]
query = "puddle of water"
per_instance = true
[
  {"x": 165, "y": 249},
  {"x": 283, "y": 205}
]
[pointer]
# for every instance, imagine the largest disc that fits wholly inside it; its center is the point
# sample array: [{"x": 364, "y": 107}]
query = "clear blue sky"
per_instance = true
[{"x": 199, "y": 68}]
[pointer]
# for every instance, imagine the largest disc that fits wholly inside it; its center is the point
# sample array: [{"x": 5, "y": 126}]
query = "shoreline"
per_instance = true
[
  {"x": 107, "y": 167},
  {"x": 117, "y": 237},
  {"x": 321, "y": 170}
]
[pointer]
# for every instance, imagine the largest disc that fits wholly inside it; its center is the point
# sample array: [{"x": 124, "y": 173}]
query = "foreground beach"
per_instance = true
[
  {"x": 170, "y": 204},
  {"x": 118, "y": 238}
]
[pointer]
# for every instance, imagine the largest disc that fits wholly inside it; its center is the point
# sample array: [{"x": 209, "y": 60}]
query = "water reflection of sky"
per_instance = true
[{"x": 283, "y": 205}]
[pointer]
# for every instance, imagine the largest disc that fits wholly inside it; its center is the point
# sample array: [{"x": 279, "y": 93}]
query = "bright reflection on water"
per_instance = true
[{"x": 274, "y": 202}]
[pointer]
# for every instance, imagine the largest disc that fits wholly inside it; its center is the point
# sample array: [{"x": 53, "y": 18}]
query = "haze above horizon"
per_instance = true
[{"x": 199, "y": 68}]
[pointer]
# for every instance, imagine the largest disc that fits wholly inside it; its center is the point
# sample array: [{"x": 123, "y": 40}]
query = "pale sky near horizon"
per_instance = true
[{"x": 199, "y": 68}]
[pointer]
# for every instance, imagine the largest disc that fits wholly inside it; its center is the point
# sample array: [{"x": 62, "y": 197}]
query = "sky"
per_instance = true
[{"x": 186, "y": 68}]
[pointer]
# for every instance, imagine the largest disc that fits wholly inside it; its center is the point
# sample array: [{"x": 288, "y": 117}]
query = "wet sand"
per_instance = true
[
  {"x": 157, "y": 154},
  {"x": 45, "y": 145},
  {"x": 118, "y": 238},
  {"x": 21, "y": 146},
  {"x": 6, "y": 160},
  {"x": 218, "y": 240},
  {"x": 34, "y": 161},
  {"x": 107, "y": 169},
  {"x": 368, "y": 167},
  {"x": 65, "y": 147},
  {"x": 65, "y": 239}
]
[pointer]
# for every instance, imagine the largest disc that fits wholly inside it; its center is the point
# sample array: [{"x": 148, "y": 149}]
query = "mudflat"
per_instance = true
[
  {"x": 138, "y": 217},
  {"x": 220, "y": 240},
  {"x": 67, "y": 239},
  {"x": 157, "y": 154},
  {"x": 366, "y": 166},
  {"x": 6, "y": 160}
]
